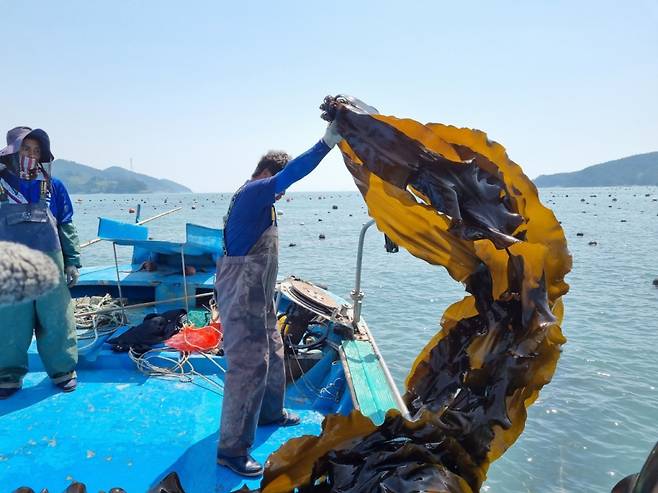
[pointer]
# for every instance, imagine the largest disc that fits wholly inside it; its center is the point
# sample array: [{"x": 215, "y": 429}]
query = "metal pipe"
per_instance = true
[
  {"x": 357, "y": 294},
  {"x": 116, "y": 266},
  {"x": 182, "y": 257}
]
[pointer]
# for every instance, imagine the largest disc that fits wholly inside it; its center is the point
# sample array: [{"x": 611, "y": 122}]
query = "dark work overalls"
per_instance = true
[
  {"x": 50, "y": 317},
  {"x": 254, "y": 385}
]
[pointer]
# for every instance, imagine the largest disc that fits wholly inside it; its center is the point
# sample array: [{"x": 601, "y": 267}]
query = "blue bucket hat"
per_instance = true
[{"x": 17, "y": 135}]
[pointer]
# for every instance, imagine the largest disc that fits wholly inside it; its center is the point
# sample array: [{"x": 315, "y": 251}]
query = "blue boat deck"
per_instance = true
[{"x": 122, "y": 428}]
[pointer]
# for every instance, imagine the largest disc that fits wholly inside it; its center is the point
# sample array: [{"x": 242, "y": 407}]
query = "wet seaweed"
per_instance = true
[{"x": 452, "y": 198}]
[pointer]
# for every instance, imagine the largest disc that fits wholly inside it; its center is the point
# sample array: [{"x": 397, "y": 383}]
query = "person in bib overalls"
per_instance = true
[
  {"x": 254, "y": 386},
  {"x": 36, "y": 211}
]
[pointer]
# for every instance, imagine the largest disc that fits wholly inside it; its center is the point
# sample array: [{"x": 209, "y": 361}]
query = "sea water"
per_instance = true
[{"x": 593, "y": 424}]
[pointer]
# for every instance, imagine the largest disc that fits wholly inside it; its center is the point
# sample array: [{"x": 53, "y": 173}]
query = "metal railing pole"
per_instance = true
[
  {"x": 357, "y": 294},
  {"x": 116, "y": 265},
  {"x": 182, "y": 257}
]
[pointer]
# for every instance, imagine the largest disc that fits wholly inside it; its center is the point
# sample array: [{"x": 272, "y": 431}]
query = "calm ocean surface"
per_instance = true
[{"x": 594, "y": 423}]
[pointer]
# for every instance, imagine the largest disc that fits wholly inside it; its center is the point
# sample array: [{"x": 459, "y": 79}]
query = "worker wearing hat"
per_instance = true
[{"x": 36, "y": 211}]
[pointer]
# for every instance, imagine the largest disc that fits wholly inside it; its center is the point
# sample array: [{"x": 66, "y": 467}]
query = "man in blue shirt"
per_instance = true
[{"x": 254, "y": 385}]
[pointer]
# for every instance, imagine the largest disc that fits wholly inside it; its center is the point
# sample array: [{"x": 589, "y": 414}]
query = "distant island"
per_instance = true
[
  {"x": 80, "y": 178},
  {"x": 641, "y": 169}
]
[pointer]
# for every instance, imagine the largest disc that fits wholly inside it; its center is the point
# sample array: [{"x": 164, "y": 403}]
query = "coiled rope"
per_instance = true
[{"x": 91, "y": 325}]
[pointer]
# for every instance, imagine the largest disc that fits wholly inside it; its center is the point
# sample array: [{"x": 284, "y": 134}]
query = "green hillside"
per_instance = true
[
  {"x": 641, "y": 169},
  {"x": 80, "y": 178}
]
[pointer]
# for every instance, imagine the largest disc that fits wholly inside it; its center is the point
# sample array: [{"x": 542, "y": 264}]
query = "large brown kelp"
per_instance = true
[{"x": 452, "y": 198}]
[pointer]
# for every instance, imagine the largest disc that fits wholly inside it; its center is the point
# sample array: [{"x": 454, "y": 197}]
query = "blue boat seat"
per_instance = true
[{"x": 202, "y": 246}]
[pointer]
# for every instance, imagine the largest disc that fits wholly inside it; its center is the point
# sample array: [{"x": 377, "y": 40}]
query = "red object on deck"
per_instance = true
[{"x": 192, "y": 339}]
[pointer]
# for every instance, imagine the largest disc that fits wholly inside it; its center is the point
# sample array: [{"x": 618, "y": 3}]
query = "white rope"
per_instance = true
[
  {"x": 84, "y": 321},
  {"x": 91, "y": 326},
  {"x": 180, "y": 369}
]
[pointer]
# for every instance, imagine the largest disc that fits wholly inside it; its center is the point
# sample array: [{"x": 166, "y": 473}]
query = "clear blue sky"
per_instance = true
[{"x": 197, "y": 91}]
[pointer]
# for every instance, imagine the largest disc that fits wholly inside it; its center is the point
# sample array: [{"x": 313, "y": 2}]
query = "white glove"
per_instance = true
[
  {"x": 72, "y": 275},
  {"x": 331, "y": 136}
]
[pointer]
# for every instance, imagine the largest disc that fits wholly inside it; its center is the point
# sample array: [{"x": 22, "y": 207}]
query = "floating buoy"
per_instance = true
[
  {"x": 655, "y": 282},
  {"x": 623, "y": 220},
  {"x": 292, "y": 245},
  {"x": 131, "y": 211},
  {"x": 580, "y": 234},
  {"x": 592, "y": 243},
  {"x": 334, "y": 207},
  {"x": 194, "y": 207},
  {"x": 319, "y": 220},
  {"x": 321, "y": 237}
]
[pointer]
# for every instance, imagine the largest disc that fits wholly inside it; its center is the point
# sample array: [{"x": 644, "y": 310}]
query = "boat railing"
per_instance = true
[
  {"x": 356, "y": 294},
  {"x": 357, "y": 298}
]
